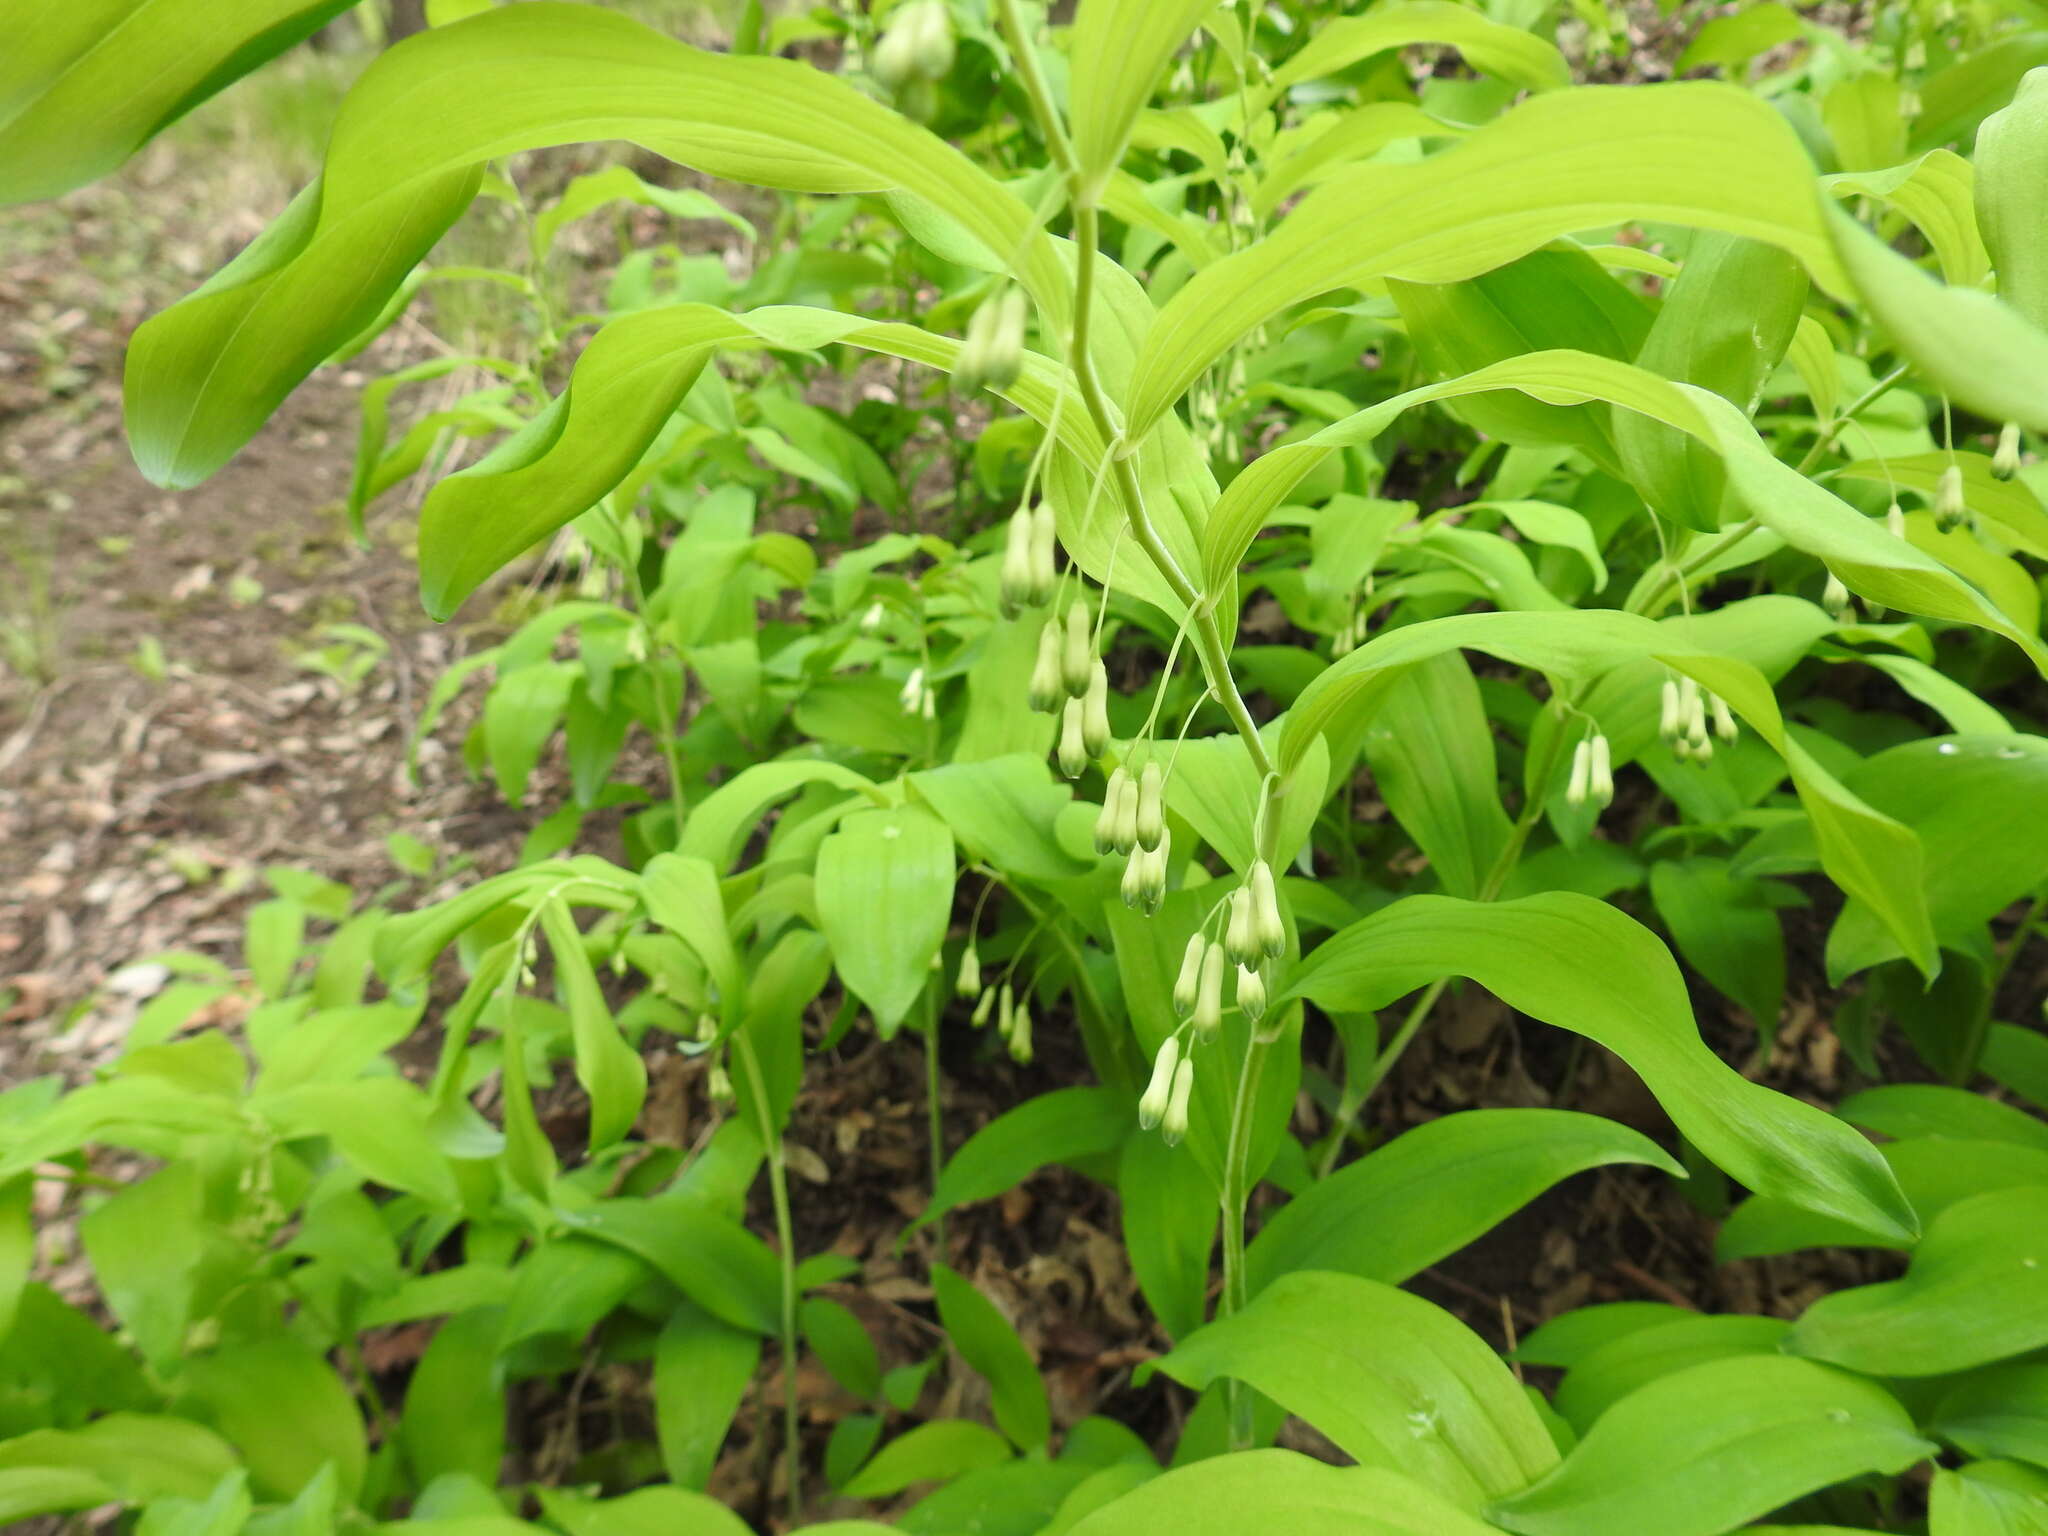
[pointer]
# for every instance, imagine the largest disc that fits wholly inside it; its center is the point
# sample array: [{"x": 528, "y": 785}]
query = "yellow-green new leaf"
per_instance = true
[
  {"x": 1118, "y": 50},
  {"x": 1395, "y": 1381},
  {"x": 1584, "y": 966},
  {"x": 885, "y": 891},
  {"x": 86, "y": 83},
  {"x": 404, "y": 161},
  {"x": 1509, "y": 53}
]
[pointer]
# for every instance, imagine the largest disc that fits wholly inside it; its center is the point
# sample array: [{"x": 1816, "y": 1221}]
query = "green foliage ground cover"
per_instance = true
[{"x": 1583, "y": 439}]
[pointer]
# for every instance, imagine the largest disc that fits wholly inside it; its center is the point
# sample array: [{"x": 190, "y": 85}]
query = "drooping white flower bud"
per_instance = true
[
  {"x": 1159, "y": 1091},
  {"x": 1173, "y": 1125},
  {"x": 1073, "y": 752},
  {"x": 1269, "y": 931},
  {"x": 1006, "y": 1010},
  {"x": 1189, "y": 980},
  {"x": 1208, "y": 1014},
  {"x": 1251, "y": 992},
  {"x": 1150, "y": 809},
  {"x": 1581, "y": 783},
  {"x": 1895, "y": 520},
  {"x": 2005, "y": 463},
  {"x": 1601, "y": 787},
  {"x": 1095, "y": 715},
  {"x": 912, "y": 695},
  {"x": 1239, "y": 943},
  {"x": 1724, "y": 720},
  {"x": 1016, "y": 586},
  {"x": 1124, "y": 834},
  {"x": 1077, "y": 654},
  {"x": 872, "y": 619},
  {"x": 1671, "y": 716},
  {"x": 983, "y": 1006},
  {"x": 1020, "y": 1034},
  {"x": 968, "y": 982},
  {"x": 1105, "y": 819},
  {"x": 1047, "y": 691},
  {"x": 1144, "y": 883},
  {"x": 1044, "y": 545},
  {"x": 1835, "y": 598},
  {"x": 1950, "y": 506}
]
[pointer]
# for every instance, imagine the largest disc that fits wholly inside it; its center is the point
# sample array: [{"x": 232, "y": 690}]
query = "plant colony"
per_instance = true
[{"x": 1606, "y": 472}]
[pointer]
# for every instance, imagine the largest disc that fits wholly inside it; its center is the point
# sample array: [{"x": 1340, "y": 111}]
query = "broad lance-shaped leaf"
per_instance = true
[
  {"x": 403, "y": 162},
  {"x": 1432, "y": 1190},
  {"x": 85, "y": 84},
  {"x": 1118, "y": 49},
  {"x": 627, "y": 383},
  {"x": 1280, "y": 1491},
  {"x": 1888, "y": 571},
  {"x": 1491, "y": 47},
  {"x": 1976, "y": 1291},
  {"x": 1708, "y": 1449},
  {"x": 885, "y": 889},
  {"x": 1395, "y": 1381},
  {"x": 1575, "y": 962},
  {"x": 1869, "y": 855},
  {"x": 1701, "y": 154}
]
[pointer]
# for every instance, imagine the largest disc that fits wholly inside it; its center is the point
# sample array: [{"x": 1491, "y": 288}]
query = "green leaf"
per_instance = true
[
  {"x": 1959, "y": 795},
  {"x": 1510, "y": 53},
  {"x": 1004, "y": 810},
  {"x": 381, "y": 1125},
  {"x": 1169, "y": 1210},
  {"x": 2002, "y": 1411},
  {"x": 1431, "y": 751},
  {"x": 609, "y": 1069},
  {"x": 136, "y": 1457},
  {"x": 1976, "y": 1291},
  {"x": 702, "y": 1368},
  {"x": 1725, "y": 930},
  {"x": 1699, "y": 154},
  {"x": 1604, "y": 1376},
  {"x": 1558, "y": 297},
  {"x": 681, "y": 893},
  {"x": 717, "y": 828},
  {"x": 284, "y": 1409},
  {"x": 1867, "y": 854},
  {"x": 1279, "y": 1491},
  {"x": 1395, "y": 1381},
  {"x": 89, "y": 85},
  {"x": 29, "y": 1491},
  {"x": 146, "y": 1245},
  {"x": 2011, "y": 158},
  {"x": 1988, "y": 1498},
  {"x": 454, "y": 1418},
  {"x": 1577, "y": 963},
  {"x": 885, "y": 892},
  {"x": 937, "y": 1450},
  {"x": 1706, "y": 1449},
  {"x": 842, "y": 1346},
  {"x": 520, "y": 717},
  {"x": 1064, "y": 1125},
  {"x": 1724, "y": 325},
  {"x": 1571, "y": 1336},
  {"x": 644, "y": 1512},
  {"x": 402, "y": 164},
  {"x": 1933, "y": 191},
  {"x": 1935, "y": 1171},
  {"x": 989, "y": 1344},
  {"x": 715, "y": 1262},
  {"x": 1936, "y": 1110},
  {"x": 1117, "y": 51},
  {"x": 1433, "y": 1189},
  {"x": 620, "y": 183}
]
